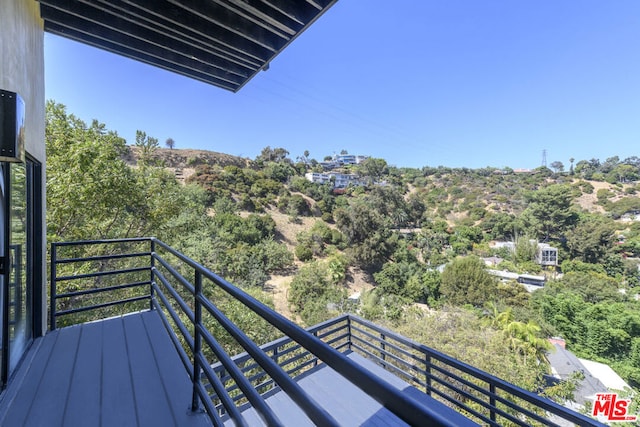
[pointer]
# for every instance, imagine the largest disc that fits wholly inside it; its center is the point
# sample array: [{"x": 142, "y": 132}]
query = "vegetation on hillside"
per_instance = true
[{"x": 417, "y": 234}]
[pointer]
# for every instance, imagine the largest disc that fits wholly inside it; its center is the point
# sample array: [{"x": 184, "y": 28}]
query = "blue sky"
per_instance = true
[{"x": 455, "y": 83}]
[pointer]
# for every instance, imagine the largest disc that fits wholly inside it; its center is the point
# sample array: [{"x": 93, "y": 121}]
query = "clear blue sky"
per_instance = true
[{"x": 455, "y": 83}]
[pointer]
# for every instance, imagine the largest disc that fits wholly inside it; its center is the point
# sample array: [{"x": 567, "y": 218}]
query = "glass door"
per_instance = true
[
  {"x": 20, "y": 292},
  {"x": 18, "y": 204}
]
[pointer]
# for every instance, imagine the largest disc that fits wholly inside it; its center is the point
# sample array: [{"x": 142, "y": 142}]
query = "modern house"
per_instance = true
[{"x": 66, "y": 360}]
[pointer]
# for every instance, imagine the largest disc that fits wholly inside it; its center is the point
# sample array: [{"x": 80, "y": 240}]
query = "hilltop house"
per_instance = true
[{"x": 160, "y": 362}]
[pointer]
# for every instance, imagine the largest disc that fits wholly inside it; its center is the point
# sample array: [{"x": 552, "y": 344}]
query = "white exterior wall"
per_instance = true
[{"x": 22, "y": 71}]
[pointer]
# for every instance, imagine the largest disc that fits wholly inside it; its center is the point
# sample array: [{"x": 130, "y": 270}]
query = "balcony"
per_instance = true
[{"x": 138, "y": 337}]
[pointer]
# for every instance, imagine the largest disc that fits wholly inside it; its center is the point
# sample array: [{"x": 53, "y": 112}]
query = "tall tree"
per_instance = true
[{"x": 550, "y": 213}]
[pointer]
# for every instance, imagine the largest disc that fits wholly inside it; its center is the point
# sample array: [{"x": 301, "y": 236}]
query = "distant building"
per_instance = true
[
  {"x": 529, "y": 281},
  {"x": 349, "y": 159},
  {"x": 339, "y": 180},
  {"x": 563, "y": 364},
  {"x": 547, "y": 255},
  {"x": 598, "y": 377}
]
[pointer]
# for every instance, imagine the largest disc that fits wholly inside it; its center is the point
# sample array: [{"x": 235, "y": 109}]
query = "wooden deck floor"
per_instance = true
[{"x": 117, "y": 372}]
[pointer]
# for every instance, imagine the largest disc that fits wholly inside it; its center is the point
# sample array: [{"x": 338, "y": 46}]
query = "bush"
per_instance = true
[{"x": 303, "y": 253}]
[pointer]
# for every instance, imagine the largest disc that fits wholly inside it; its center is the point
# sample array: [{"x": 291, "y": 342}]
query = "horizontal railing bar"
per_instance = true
[
  {"x": 99, "y": 290},
  {"x": 174, "y": 316},
  {"x": 325, "y": 334},
  {"x": 102, "y": 305},
  {"x": 102, "y": 274},
  {"x": 338, "y": 338},
  {"x": 464, "y": 381},
  {"x": 316, "y": 413},
  {"x": 184, "y": 282},
  {"x": 391, "y": 355},
  {"x": 387, "y": 365},
  {"x": 102, "y": 241},
  {"x": 386, "y": 343},
  {"x": 328, "y": 323},
  {"x": 221, "y": 393},
  {"x": 283, "y": 353},
  {"x": 469, "y": 396},
  {"x": 256, "y": 400},
  {"x": 175, "y": 295},
  {"x": 296, "y": 358},
  {"x": 101, "y": 257}
]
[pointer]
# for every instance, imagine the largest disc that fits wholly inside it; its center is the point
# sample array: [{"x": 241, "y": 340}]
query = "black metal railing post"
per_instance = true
[
  {"x": 197, "y": 340},
  {"x": 152, "y": 265},
  {"x": 383, "y": 349},
  {"x": 492, "y": 401},
  {"x": 349, "y": 332},
  {"x": 427, "y": 374},
  {"x": 52, "y": 296}
]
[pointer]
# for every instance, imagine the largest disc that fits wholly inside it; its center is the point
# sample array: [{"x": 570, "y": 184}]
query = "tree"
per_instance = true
[
  {"x": 170, "y": 143},
  {"x": 277, "y": 155},
  {"x": 367, "y": 233},
  {"x": 591, "y": 238},
  {"x": 373, "y": 168},
  {"x": 90, "y": 190},
  {"x": 549, "y": 213},
  {"x": 557, "y": 167},
  {"x": 147, "y": 146},
  {"x": 466, "y": 281}
]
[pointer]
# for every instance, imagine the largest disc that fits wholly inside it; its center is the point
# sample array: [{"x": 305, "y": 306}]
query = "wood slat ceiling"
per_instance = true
[{"x": 221, "y": 42}]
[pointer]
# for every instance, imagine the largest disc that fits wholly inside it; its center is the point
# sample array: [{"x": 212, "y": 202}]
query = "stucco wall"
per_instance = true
[
  {"x": 22, "y": 65},
  {"x": 22, "y": 71}
]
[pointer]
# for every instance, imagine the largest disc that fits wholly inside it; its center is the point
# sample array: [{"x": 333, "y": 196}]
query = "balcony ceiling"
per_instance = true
[{"x": 221, "y": 42}]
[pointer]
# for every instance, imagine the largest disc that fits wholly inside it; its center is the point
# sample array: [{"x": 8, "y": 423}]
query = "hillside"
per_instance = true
[{"x": 182, "y": 162}]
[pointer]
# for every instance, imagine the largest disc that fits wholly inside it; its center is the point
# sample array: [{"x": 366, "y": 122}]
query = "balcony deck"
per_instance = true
[{"x": 122, "y": 371}]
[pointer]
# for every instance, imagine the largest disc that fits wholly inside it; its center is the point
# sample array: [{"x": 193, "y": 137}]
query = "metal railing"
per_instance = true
[{"x": 134, "y": 274}]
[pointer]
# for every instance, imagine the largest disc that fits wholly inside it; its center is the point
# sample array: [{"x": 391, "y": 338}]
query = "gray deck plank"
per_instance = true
[
  {"x": 174, "y": 377},
  {"x": 51, "y": 396},
  {"x": 286, "y": 409},
  {"x": 345, "y": 401},
  {"x": 83, "y": 403},
  {"x": 17, "y": 408},
  {"x": 152, "y": 405},
  {"x": 117, "y": 400}
]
